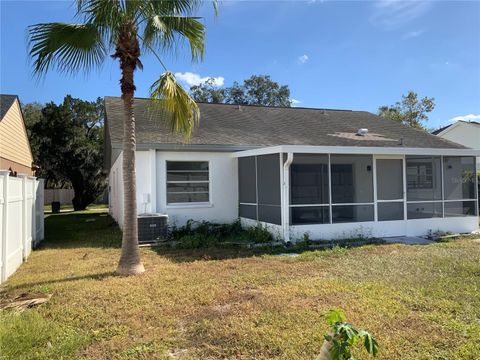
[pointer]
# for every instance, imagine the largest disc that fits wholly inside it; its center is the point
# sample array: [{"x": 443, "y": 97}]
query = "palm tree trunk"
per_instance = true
[{"x": 128, "y": 52}]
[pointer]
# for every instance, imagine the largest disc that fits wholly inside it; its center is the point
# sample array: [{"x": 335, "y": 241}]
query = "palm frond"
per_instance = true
[
  {"x": 67, "y": 47},
  {"x": 167, "y": 94},
  {"x": 169, "y": 7},
  {"x": 166, "y": 32},
  {"x": 167, "y": 24}
]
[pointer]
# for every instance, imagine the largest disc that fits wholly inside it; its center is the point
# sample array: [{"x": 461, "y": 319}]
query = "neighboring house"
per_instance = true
[
  {"x": 296, "y": 170},
  {"x": 15, "y": 153},
  {"x": 462, "y": 132}
]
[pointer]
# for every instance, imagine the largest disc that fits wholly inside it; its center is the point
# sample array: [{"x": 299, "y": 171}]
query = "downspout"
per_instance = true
[{"x": 286, "y": 199}]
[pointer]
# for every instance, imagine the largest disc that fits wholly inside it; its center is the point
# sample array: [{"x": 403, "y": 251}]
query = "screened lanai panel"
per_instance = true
[
  {"x": 424, "y": 210},
  {"x": 309, "y": 179},
  {"x": 303, "y": 215},
  {"x": 389, "y": 179},
  {"x": 352, "y": 179},
  {"x": 424, "y": 178},
  {"x": 352, "y": 213},
  {"x": 268, "y": 179},
  {"x": 268, "y": 183},
  {"x": 248, "y": 211},
  {"x": 247, "y": 183},
  {"x": 459, "y": 177},
  {"x": 460, "y": 208}
]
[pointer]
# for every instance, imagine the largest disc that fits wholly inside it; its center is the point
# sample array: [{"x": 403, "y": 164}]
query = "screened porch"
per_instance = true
[{"x": 328, "y": 194}]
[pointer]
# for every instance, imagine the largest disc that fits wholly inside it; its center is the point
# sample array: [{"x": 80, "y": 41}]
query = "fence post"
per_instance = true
[
  {"x": 33, "y": 210},
  {"x": 4, "y": 174},
  {"x": 41, "y": 186},
  {"x": 24, "y": 215}
]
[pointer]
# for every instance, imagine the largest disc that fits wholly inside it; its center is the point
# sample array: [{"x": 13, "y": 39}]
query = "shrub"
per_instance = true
[
  {"x": 259, "y": 234},
  {"x": 195, "y": 234}
]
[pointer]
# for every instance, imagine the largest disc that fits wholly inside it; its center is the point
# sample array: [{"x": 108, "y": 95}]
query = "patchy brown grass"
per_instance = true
[{"x": 421, "y": 302}]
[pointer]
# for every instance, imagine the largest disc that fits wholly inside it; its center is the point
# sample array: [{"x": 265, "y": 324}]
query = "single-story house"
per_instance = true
[
  {"x": 462, "y": 132},
  {"x": 328, "y": 173},
  {"x": 15, "y": 153}
]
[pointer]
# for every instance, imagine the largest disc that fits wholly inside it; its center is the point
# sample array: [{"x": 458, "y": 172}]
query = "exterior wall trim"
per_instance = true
[{"x": 356, "y": 150}]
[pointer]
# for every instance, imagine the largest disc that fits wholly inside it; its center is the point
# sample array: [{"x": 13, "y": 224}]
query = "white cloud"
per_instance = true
[
  {"x": 303, "y": 59},
  {"x": 392, "y": 14},
  {"x": 192, "y": 79},
  {"x": 412, "y": 34},
  {"x": 469, "y": 117},
  {"x": 295, "y": 102}
]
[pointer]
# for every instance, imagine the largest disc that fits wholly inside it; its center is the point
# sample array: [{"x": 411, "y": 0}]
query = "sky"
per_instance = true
[{"x": 332, "y": 54}]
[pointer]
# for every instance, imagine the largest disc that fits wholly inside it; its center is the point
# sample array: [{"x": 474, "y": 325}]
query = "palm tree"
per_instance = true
[{"x": 128, "y": 28}]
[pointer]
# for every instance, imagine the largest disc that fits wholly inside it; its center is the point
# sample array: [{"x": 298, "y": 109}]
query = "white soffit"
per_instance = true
[{"x": 355, "y": 150}]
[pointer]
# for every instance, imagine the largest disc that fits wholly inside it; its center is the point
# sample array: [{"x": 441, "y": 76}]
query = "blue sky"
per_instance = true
[{"x": 348, "y": 55}]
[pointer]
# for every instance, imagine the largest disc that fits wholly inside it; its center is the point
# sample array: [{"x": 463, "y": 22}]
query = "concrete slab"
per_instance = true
[{"x": 408, "y": 240}]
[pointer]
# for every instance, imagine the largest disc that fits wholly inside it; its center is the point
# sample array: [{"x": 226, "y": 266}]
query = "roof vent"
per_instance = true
[{"x": 362, "y": 132}]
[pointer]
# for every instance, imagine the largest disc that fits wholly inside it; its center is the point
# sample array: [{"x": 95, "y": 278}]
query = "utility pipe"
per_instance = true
[{"x": 286, "y": 198}]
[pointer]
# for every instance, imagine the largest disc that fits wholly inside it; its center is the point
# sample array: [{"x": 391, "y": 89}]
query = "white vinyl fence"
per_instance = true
[{"x": 21, "y": 220}]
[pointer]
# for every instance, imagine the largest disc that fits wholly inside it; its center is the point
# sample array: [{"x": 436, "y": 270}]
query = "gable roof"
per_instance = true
[
  {"x": 223, "y": 124},
  {"x": 459, "y": 122},
  {"x": 15, "y": 145},
  {"x": 6, "y": 102}
]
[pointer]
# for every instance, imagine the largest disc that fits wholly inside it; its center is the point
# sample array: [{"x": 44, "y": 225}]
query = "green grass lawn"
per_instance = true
[
  {"x": 421, "y": 302},
  {"x": 47, "y": 209}
]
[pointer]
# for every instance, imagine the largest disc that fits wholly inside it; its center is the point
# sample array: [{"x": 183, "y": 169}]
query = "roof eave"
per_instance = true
[{"x": 357, "y": 150}]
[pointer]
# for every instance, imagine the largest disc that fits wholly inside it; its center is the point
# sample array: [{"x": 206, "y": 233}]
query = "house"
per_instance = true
[
  {"x": 328, "y": 173},
  {"x": 462, "y": 132},
  {"x": 15, "y": 153}
]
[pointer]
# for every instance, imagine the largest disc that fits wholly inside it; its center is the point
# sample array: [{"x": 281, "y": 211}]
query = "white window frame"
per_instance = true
[{"x": 188, "y": 204}]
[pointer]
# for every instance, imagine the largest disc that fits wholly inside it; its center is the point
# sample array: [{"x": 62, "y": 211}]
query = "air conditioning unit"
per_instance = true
[{"x": 152, "y": 228}]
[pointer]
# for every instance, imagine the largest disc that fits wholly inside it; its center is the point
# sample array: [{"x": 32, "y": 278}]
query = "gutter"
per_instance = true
[{"x": 286, "y": 199}]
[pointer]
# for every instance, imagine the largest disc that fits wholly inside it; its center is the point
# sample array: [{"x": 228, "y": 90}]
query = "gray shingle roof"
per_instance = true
[
  {"x": 235, "y": 125},
  {"x": 6, "y": 102}
]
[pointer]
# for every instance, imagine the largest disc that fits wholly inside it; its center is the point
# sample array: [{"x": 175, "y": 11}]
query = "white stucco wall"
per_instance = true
[
  {"x": 223, "y": 206},
  {"x": 465, "y": 134},
  {"x": 151, "y": 187},
  {"x": 417, "y": 227},
  {"x": 115, "y": 198}
]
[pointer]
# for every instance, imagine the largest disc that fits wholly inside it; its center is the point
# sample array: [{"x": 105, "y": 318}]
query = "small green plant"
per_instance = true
[
  {"x": 342, "y": 337},
  {"x": 259, "y": 234}
]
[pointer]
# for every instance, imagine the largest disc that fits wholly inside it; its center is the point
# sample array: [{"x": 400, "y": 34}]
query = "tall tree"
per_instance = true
[
  {"x": 128, "y": 28},
  {"x": 257, "y": 90},
  {"x": 208, "y": 92},
  {"x": 411, "y": 111},
  {"x": 67, "y": 144}
]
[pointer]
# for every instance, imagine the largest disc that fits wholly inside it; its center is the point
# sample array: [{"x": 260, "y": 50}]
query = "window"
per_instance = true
[{"x": 187, "y": 182}]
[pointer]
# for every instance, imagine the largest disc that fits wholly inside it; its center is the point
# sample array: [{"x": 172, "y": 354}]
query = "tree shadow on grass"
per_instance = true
[
  {"x": 223, "y": 253},
  {"x": 81, "y": 229},
  {"x": 97, "y": 277}
]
